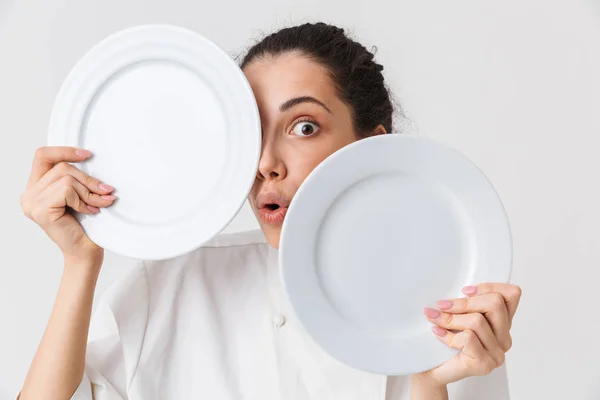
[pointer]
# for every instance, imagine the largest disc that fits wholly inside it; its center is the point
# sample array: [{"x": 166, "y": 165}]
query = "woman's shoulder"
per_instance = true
[
  {"x": 240, "y": 246},
  {"x": 237, "y": 239},
  {"x": 227, "y": 255},
  {"x": 227, "y": 260}
]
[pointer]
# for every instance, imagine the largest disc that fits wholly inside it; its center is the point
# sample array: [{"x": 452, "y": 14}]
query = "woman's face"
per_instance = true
[{"x": 303, "y": 122}]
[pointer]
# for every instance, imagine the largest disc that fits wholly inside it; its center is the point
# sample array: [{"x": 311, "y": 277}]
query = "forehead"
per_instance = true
[{"x": 275, "y": 80}]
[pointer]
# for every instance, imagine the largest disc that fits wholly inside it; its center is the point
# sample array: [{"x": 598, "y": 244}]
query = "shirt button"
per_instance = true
[{"x": 278, "y": 320}]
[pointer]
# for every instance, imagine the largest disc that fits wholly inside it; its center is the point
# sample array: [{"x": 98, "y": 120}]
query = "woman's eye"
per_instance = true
[{"x": 305, "y": 128}]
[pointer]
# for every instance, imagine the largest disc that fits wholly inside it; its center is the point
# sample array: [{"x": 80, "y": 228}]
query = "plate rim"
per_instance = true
[
  {"x": 108, "y": 47},
  {"x": 331, "y": 160}
]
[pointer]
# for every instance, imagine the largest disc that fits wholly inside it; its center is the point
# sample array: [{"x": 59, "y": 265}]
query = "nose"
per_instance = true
[{"x": 270, "y": 165}]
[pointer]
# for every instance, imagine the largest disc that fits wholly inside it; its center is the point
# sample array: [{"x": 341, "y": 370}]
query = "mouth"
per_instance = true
[{"x": 272, "y": 208}]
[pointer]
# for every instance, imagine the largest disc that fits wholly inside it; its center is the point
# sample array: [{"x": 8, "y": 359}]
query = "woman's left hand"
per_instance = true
[{"x": 477, "y": 325}]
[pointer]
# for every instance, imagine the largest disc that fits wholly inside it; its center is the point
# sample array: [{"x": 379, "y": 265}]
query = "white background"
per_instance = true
[{"x": 515, "y": 85}]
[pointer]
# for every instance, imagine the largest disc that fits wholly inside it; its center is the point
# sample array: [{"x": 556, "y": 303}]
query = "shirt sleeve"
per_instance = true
[{"x": 115, "y": 340}]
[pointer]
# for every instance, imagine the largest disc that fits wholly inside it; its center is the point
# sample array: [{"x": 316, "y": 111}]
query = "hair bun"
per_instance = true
[{"x": 354, "y": 72}]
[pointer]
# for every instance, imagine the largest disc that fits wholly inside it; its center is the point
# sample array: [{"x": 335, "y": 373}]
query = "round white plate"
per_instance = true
[
  {"x": 379, "y": 230},
  {"x": 173, "y": 126}
]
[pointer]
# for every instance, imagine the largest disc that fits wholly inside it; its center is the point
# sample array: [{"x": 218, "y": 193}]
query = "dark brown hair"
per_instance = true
[{"x": 358, "y": 78}]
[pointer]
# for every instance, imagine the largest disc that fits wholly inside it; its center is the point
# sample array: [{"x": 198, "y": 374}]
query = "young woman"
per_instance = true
[{"x": 214, "y": 324}]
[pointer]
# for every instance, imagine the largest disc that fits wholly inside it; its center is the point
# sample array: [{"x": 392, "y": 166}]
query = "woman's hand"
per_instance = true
[
  {"x": 55, "y": 185},
  {"x": 477, "y": 325}
]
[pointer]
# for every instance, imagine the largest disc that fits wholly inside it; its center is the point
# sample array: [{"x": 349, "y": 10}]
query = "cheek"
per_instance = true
[
  {"x": 303, "y": 164},
  {"x": 254, "y": 191}
]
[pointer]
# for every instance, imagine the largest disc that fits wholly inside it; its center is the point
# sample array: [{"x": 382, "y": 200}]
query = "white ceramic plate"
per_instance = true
[
  {"x": 379, "y": 230},
  {"x": 174, "y": 127}
]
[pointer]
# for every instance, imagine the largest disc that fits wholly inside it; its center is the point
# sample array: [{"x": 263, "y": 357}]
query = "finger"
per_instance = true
[
  {"x": 510, "y": 293},
  {"x": 466, "y": 341},
  {"x": 92, "y": 199},
  {"x": 492, "y": 306},
  {"x": 474, "y": 322},
  {"x": 46, "y": 157},
  {"x": 62, "y": 169},
  {"x": 58, "y": 195},
  {"x": 67, "y": 191},
  {"x": 479, "y": 360}
]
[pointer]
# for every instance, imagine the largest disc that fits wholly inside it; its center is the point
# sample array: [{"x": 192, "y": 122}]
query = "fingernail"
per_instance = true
[
  {"x": 431, "y": 313},
  {"x": 105, "y": 187},
  {"x": 469, "y": 290},
  {"x": 438, "y": 331},
  {"x": 109, "y": 197},
  {"x": 83, "y": 153},
  {"x": 444, "y": 304},
  {"x": 93, "y": 209}
]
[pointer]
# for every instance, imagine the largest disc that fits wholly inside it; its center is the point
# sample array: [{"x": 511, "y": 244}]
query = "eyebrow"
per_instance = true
[{"x": 299, "y": 100}]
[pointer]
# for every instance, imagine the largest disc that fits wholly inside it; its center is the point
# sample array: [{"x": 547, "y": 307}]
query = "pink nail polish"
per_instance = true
[
  {"x": 93, "y": 209},
  {"x": 105, "y": 187},
  {"x": 469, "y": 290},
  {"x": 444, "y": 304},
  {"x": 439, "y": 331},
  {"x": 83, "y": 153},
  {"x": 431, "y": 313},
  {"x": 109, "y": 197}
]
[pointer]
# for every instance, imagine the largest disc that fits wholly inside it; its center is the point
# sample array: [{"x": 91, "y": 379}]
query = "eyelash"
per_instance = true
[{"x": 306, "y": 120}]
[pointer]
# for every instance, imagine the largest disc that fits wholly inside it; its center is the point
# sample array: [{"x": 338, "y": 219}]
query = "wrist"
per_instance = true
[
  {"x": 84, "y": 266},
  {"x": 425, "y": 382}
]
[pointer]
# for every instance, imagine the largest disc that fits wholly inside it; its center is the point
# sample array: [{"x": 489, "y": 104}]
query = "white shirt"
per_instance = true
[{"x": 215, "y": 324}]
